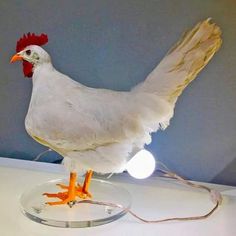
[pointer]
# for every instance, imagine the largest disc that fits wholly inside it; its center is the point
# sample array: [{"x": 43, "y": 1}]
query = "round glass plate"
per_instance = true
[{"x": 80, "y": 215}]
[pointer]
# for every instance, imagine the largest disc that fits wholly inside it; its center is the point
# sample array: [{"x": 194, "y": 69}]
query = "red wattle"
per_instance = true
[{"x": 27, "y": 69}]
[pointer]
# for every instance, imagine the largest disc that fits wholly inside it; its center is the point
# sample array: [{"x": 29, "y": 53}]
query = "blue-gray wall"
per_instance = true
[{"x": 115, "y": 44}]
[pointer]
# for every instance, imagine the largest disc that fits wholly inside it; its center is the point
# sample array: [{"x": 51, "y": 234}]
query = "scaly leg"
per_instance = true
[
  {"x": 87, "y": 182},
  {"x": 74, "y": 190}
]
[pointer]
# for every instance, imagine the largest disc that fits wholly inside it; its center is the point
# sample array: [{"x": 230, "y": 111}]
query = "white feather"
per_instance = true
[
  {"x": 183, "y": 62},
  {"x": 101, "y": 129}
]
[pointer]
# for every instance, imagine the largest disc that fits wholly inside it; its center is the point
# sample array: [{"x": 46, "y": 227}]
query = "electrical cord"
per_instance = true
[{"x": 216, "y": 197}]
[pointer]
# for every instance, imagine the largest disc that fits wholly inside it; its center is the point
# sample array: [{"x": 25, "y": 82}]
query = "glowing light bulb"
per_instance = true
[{"x": 141, "y": 165}]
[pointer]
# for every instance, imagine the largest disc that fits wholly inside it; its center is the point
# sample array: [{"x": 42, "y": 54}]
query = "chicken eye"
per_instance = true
[{"x": 28, "y": 52}]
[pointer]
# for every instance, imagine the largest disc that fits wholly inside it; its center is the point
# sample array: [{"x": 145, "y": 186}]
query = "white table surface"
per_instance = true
[{"x": 153, "y": 198}]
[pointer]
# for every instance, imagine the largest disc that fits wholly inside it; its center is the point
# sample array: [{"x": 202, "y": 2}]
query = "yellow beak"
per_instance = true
[{"x": 16, "y": 57}]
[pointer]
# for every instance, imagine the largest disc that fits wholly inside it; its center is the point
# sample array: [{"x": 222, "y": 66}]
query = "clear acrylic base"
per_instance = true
[{"x": 80, "y": 215}]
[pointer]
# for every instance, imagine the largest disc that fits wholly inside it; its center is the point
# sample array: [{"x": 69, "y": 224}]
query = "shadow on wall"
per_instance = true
[
  {"x": 51, "y": 157},
  {"x": 227, "y": 175}
]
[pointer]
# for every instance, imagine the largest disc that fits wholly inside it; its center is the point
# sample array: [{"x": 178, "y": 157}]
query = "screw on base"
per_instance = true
[{"x": 71, "y": 203}]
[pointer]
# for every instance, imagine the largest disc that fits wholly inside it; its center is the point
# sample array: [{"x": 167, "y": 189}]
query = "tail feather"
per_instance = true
[{"x": 183, "y": 62}]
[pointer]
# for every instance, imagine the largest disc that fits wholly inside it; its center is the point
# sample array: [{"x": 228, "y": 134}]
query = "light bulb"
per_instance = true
[{"x": 141, "y": 165}]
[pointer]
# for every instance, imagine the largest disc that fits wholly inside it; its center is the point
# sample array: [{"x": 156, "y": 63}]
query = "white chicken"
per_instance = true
[{"x": 100, "y": 129}]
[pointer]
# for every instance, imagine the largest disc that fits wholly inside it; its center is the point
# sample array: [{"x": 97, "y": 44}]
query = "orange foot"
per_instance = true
[{"x": 74, "y": 191}]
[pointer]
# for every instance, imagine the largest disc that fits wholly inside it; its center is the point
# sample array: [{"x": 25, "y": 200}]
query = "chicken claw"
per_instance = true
[{"x": 73, "y": 192}]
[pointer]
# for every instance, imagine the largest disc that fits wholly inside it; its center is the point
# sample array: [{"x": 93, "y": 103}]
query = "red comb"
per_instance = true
[{"x": 31, "y": 39}]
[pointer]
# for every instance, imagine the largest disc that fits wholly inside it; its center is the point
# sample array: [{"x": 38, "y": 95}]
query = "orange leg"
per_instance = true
[
  {"x": 87, "y": 181},
  {"x": 74, "y": 190}
]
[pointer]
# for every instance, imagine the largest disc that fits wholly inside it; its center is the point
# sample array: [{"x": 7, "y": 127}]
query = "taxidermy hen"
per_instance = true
[{"x": 98, "y": 129}]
